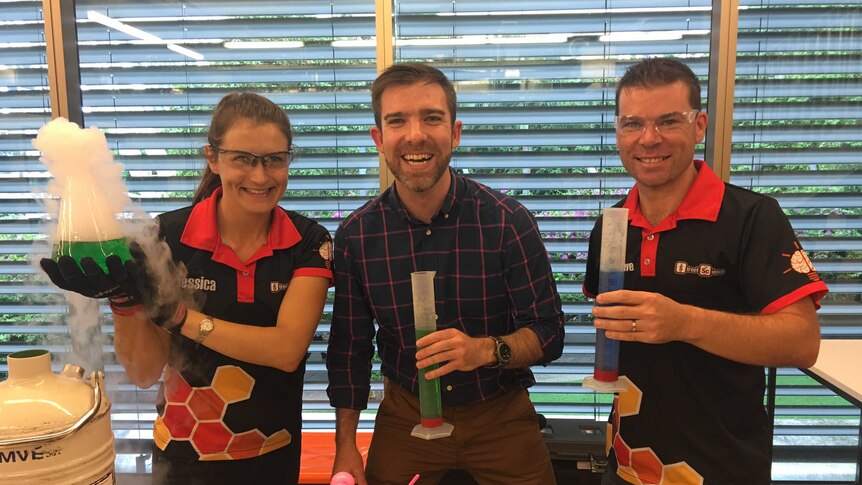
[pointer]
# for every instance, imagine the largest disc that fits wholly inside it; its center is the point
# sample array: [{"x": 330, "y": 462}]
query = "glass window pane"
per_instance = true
[
  {"x": 25, "y": 105},
  {"x": 151, "y": 73},
  {"x": 535, "y": 84},
  {"x": 797, "y": 137}
]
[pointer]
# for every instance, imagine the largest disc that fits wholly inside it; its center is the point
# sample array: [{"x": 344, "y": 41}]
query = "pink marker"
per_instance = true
[{"x": 415, "y": 479}]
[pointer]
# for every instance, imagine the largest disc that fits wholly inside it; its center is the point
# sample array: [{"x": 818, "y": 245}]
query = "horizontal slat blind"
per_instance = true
[
  {"x": 797, "y": 136},
  {"x": 535, "y": 85},
  {"x": 24, "y": 107}
]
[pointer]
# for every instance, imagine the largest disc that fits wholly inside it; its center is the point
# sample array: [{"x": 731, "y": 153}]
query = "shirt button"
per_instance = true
[
  {"x": 647, "y": 262},
  {"x": 445, "y": 216},
  {"x": 428, "y": 232},
  {"x": 449, "y": 387},
  {"x": 245, "y": 273},
  {"x": 650, "y": 237}
]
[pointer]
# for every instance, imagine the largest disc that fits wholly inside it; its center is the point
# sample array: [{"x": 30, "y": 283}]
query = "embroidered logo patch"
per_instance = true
[
  {"x": 800, "y": 263},
  {"x": 277, "y": 286},
  {"x": 325, "y": 251},
  {"x": 704, "y": 270}
]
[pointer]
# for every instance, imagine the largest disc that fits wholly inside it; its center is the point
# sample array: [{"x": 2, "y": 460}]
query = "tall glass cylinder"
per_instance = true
[
  {"x": 425, "y": 321},
  {"x": 612, "y": 264}
]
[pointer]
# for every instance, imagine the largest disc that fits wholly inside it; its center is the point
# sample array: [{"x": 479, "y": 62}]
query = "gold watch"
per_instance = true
[{"x": 204, "y": 328}]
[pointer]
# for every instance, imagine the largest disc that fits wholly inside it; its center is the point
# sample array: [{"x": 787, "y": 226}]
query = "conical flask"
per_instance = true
[
  {"x": 89, "y": 185},
  {"x": 85, "y": 226}
]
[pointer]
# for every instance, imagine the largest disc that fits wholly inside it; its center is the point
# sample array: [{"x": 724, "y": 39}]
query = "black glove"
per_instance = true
[
  {"x": 127, "y": 286},
  {"x": 89, "y": 280},
  {"x": 170, "y": 315}
]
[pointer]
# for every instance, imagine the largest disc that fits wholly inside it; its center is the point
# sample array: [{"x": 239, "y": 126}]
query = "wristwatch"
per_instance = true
[
  {"x": 502, "y": 352},
  {"x": 204, "y": 328}
]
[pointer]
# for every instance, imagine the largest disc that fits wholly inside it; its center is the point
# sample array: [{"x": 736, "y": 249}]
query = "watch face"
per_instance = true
[
  {"x": 207, "y": 325},
  {"x": 505, "y": 352}
]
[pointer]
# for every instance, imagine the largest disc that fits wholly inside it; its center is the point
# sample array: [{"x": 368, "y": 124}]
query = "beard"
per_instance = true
[{"x": 420, "y": 182}]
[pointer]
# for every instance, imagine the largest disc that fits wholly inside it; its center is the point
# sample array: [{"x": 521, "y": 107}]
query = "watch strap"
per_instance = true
[
  {"x": 498, "y": 345},
  {"x": 205, "y": 326}
]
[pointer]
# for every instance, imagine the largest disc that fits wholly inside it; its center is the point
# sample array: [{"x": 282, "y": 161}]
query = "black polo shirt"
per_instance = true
[
  {"x": 211, "y": 406},
  {"x": 688, "y": 412}
]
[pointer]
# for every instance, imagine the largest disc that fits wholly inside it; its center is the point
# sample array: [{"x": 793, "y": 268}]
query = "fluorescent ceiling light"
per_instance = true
[
  {"x": 372, "y": 42},
  {"x": 275, "y": 44},
  {"x": 640, "y": 36},
  {"x": 487, "y": 40},
  {"x": 585, "y": 11},
  {"x": 140, "y": 34}
]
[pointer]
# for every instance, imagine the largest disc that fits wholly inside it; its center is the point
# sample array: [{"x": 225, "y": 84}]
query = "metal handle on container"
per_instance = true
[{"x": 97, "y": 404}]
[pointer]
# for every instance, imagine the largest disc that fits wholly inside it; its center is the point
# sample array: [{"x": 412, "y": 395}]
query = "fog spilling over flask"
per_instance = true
[{"x": 88, "y": 183}]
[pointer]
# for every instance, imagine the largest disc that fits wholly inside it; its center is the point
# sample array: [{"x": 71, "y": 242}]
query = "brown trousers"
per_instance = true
[{"x": 497, "y": 442}]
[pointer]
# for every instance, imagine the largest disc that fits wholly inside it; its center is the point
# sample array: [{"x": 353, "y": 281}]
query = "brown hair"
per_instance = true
[
  {"x": 406, "y": 73},
  {"x": 231, "y": 109},
  {"x": 660, "y": 71}
]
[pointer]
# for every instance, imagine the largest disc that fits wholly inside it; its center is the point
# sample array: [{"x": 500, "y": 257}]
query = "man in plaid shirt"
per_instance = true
[{"x": 497, "y": 304}]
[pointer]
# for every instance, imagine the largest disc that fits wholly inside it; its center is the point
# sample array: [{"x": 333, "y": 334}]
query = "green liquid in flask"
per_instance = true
[{"x": 98, "y": 250}]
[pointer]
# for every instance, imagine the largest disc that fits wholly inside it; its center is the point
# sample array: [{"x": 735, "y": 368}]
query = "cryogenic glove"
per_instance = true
[
  {"x": 89, "y": 280},
  {"x": 127, "y": 287},
  {"x": 168, "y": 313}
]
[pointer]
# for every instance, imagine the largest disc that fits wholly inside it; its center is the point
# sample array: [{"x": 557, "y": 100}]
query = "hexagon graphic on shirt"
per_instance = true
[
  {"x": 246, "y": 445},
  {"x": 176, "y": 388},
  {"x": 232, "y": 383},
  {"x": 161, "y": 434},
  {"x": 647, "y": 465},
  {"x": 211, "y": 437},
  {"x": 276, "y": 440},
  {"x": 681, "y": 474},
  {"x": 609, "y": 437},
  {"x": 622, "y": 451},
  {"x": 179, "y": 421},
  {"x": 206, "y": 404},
  {"x": 629, "y": 401}
]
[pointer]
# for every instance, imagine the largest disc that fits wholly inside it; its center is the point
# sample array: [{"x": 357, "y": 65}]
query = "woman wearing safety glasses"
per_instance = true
[{"x": 229, "y": 407}]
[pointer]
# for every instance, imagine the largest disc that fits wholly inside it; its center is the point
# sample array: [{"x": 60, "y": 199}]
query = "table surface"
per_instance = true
[{"x": 840, "y": 364}]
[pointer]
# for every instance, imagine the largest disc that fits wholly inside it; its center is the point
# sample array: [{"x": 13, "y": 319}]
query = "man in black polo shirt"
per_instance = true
[
  {"x": 717, "y": 287},
  {"x": 498, "y": 311}
]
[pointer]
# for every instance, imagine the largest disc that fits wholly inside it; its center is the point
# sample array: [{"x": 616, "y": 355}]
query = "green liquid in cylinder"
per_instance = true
[
  {"x": 98, "y": 250},
  {"x": 430, "y": 401}
]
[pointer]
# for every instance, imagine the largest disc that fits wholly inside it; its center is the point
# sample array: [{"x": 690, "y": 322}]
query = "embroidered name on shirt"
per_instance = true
[
  {"x": 703, "y": 270},
  {"x": 277, "y": 286},
  {"x": 199, "y": 283}
]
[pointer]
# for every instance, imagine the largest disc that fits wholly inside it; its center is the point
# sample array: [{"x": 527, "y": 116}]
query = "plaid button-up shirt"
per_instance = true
[{"x": 493, "y": 278}]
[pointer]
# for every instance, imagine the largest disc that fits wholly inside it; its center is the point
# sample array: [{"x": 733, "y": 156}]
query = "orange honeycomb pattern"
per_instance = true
[
  {"x": 641, "y": 466},
  {"x": 196, "y": 415}
]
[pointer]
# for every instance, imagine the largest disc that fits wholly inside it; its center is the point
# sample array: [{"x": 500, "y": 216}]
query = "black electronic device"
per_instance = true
[{"x": 577, "y": 449}]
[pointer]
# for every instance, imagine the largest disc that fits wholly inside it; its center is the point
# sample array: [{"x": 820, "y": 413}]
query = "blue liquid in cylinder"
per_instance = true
[{"x": 608, "y": 350}]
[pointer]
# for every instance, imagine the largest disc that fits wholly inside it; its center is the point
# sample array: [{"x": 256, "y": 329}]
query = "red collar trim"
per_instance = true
[
  {"x": 702, "y": 201},
  {"x": 201, "y": 231}
]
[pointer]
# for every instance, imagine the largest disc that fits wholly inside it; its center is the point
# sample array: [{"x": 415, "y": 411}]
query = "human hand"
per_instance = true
[
  {"x": 348, "y": 459},
  {"x": 640, "y": 316},
  {"x": 91, "y": 281},
  {"x": 458, "y": 350}
]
